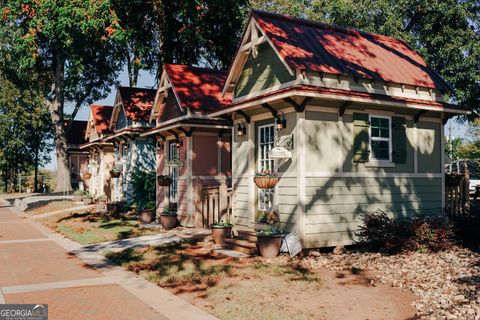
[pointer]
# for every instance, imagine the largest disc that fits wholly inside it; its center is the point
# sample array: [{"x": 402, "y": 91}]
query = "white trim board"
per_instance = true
[{"x": 320, "y": 174}]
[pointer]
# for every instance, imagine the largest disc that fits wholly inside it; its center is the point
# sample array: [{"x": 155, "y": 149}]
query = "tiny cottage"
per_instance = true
[
  {"x": 77, "y": 158},
  {"x": 100, "y": 152},
  {"x": 352, "y": 122},
  {"x": 130, "y": 116},
  {"x": 192, "y": 149}
]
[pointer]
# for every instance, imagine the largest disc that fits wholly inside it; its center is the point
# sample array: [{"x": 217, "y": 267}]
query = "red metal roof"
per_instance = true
[
  {"x": 137, "y": 102},
  {"x": 197, "y": 88},
  {"x": 101, "y": 117},
  {"x": 76, "y": 134},
  {"x": 319, "y": 47}
]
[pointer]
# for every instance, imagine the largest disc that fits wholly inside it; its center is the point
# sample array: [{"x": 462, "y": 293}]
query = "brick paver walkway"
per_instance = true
[{"x": 39, "y": 266}]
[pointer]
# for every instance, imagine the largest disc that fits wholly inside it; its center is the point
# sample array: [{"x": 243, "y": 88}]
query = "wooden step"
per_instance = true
[
  {"x": 248, "y": 235},
  {"x": 241, "y": 245}
]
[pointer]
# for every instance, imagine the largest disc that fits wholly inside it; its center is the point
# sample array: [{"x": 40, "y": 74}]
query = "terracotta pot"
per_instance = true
[
  {"x": 164, "y": 182},
  {"x": 77, "y": 198},
  {"x": 87, "y": 175},
  {"x": 269, "y": 246},
  {"x": 265, "y": 182},
  {"x": 115, "y": 174},
  {"x": 219, "y": 234},
  {"x": 101, "y": 206},
  {"x": 87, "y": 201},
  {"x": 168, "y": 221},
  {"x": 146, "y": 215}
]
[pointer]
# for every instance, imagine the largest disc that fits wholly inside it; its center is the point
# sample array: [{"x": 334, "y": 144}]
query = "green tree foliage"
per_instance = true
[
  {"x": 445, "y": 32},
  {"x": 66, "y": 44},
  {"x": 25, "y": 132},
  {"x": 199, "y": 32}
]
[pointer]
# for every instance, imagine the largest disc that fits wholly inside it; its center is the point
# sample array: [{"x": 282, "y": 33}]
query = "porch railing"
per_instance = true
[
  {"x": 457, "y": 192},
  {"x": 216, "y": 204}
]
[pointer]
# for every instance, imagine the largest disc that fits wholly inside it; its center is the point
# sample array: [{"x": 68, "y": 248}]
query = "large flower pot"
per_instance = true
[
  {"x": 168, "y": 221},
  {"x": 101, "y": 206},
  {"x": 87, "y": 201},
  {"x": 269, "y": 245},
  {"x": 265, "y": 182},
  {"x": 164, "y": 181},
  {"x": 146, "y": 215},
  {"x": 77, "y": 198},
  {"x": 220, "y": 233}
]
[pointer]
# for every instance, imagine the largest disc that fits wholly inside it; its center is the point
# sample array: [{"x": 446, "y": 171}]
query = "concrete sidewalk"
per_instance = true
[{"x": 40, "y": 266}]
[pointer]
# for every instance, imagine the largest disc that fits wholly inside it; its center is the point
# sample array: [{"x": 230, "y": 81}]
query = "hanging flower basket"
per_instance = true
[
  {"x": 164, "y": 181},
  {"x": 87, "y": 175},
  {"x": 115, "y": 173},
  {"x": 266, "y": 179}
]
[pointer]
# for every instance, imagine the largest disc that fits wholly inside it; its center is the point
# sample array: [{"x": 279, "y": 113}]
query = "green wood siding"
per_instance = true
[
  {"x": 335, "y": 205},
  {"x": 262, "y": 72}
]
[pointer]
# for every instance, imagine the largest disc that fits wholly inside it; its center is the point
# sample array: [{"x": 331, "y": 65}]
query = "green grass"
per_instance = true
[
  {"x": 232, "y": 289},
  {"x": 88, "y": 228}
]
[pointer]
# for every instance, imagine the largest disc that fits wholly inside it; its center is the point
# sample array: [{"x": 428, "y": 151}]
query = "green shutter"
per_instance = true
[
  {"x": 399, "y": 139},
  {"x": 361, "y": 147}
]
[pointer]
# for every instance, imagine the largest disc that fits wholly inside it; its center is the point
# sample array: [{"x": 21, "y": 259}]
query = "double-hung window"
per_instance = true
[
  {"x": 380, "y": 138},
  {"x": 173, "y": 190},
  {"x": 266, "y": 141}
]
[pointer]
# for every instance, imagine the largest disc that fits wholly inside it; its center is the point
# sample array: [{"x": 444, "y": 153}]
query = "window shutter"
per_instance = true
[
  {"x": 361, "y": 148},
  {"x": 399, "y": 139}
]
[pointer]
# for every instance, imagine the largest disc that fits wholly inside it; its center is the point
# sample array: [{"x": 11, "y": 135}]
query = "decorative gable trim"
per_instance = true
[
  {"x": 162, "y": 93},
  {"x": 252, "y": 38}
]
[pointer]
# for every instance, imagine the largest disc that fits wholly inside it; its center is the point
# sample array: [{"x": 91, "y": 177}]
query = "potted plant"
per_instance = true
[
  {"x": 266, "y": 179},
  {"x": 168, "y": 219},
  {"x": 86, "y": 175},
  {"x": 115, "y": 172},
  {"x": 101, "y": 203},
  {"x": 220, "y": 231},
  {"x": 78, "y": 195},
  {"x": 146, "y": 211},
  {"x": 164, "y": 181},
  {"x": 269, "y": 240},
  {"x": 87, "y": 198}
]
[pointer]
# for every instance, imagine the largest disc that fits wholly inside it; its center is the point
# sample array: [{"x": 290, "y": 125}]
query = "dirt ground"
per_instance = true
[{"x": 255, "y": 288}]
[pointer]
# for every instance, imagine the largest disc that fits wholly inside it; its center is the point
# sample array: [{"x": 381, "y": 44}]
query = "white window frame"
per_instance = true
[
  {"x": 262, "y": 193},
  {"x": 174, "y": 172},
  {"x": 389, "y": 139}
]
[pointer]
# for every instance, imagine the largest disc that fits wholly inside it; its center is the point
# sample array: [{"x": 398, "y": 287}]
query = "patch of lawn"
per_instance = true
[
  {"x": 228, "y": 288},
  {"x": 90, "y": 228}
]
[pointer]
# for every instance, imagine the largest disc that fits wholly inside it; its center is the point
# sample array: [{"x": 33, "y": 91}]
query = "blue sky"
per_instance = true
[{"x": 147, "y": 80}]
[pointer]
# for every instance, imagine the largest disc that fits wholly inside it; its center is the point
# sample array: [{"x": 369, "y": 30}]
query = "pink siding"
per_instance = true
[
  {"x": 226, "y": 157},
  {"x": 205, "y": 155}
]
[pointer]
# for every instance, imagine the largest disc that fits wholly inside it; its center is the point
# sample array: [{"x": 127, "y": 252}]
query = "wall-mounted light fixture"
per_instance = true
[
  {"x": 281, "y": 122},
  {"x": 179, "y": 143},
  {"x": 240, "y": 130}
]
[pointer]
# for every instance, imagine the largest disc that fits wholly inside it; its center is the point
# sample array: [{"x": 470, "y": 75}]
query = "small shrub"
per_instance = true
[{"x": 381, "y": 233}]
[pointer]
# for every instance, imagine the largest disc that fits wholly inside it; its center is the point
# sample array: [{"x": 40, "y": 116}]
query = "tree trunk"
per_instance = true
[
  {"x": 35, "y": 175},
  {"x": 60, "y": 136}
]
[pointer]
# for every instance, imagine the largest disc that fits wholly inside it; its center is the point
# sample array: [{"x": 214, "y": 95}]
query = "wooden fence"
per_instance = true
[
  {"x": 457, "y": 192},
  {"x": 216, "y": 205}
]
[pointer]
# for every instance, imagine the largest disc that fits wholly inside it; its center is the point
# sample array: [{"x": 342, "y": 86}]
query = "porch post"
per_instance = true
[
  {"x": 251, "y": 173},
  {"x": 190, "y": 199},
  {"x": 300, "y": 151}
]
